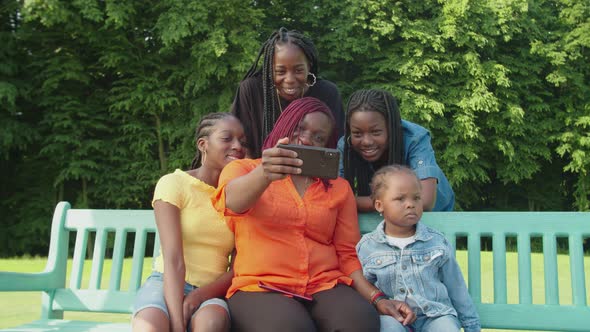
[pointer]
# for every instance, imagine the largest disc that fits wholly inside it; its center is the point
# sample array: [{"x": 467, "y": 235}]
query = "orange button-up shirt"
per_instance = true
[{"x": 303, "y": 245}]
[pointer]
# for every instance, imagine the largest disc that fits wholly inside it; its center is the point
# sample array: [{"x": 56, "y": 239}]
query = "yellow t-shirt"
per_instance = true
[{"x": 207, "y": 242}]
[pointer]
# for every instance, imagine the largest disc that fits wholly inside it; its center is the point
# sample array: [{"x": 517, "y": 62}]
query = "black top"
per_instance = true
[{"x": 248, "y": 106}]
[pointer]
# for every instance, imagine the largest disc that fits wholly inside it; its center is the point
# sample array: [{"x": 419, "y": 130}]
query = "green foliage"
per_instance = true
[{"x": 98, "y": 99}]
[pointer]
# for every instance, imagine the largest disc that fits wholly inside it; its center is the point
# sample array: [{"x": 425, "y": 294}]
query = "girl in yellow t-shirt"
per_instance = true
[{"x": 191, "y": 277}]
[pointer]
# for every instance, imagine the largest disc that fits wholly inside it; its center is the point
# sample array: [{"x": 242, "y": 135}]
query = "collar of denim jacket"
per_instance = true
[{"x": 422, "y": 232}]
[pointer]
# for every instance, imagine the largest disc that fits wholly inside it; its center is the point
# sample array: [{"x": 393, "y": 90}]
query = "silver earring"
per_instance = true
[
  {"x": 314, "y": 79},
  {"x": 381, "y": 214}
]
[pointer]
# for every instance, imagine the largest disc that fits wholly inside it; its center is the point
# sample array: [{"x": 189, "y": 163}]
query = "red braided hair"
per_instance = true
[{"x": 291, "y": 117}]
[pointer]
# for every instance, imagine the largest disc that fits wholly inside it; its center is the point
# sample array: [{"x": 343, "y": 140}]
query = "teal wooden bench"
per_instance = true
[{"x": 112, "y": 231}]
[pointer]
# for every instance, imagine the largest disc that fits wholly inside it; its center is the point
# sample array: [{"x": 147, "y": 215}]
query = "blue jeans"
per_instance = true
[
  {"x": 151, "y": 295},
  {"x": 390, "y": 324},
  {"x": 447, "y": 323}
]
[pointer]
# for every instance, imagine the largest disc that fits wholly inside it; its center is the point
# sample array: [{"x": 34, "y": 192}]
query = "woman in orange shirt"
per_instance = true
[{"x": 296, "y": 235}]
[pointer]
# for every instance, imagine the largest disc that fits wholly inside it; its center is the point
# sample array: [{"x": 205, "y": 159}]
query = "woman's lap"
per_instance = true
[
  {"x": 340, "y": 308},
  {"x": 151, "y": 295},
  {"x": 343, "y": 309},
  {"x": 264, "y": 311}
]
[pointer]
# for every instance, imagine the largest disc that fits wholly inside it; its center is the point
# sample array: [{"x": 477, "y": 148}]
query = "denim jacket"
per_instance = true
[{"x": 426, "y": 270}]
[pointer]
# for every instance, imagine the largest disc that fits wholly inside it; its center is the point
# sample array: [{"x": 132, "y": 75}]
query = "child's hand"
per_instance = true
[{"x": 398, "y": 310}]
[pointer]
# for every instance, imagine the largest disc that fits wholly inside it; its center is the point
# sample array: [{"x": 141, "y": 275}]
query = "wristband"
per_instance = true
[
  {"x": 379, "y": 298},
  {"x": 376, "y": 295},
  {"x": 373, "y": 294}
]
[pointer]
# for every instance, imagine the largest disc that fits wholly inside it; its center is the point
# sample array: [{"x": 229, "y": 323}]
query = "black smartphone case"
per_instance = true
[{"x": 317, "y": 162}]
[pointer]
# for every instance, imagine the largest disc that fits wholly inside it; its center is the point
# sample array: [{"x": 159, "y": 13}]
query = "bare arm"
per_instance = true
[
  {"x": 364, "y": 204},
  {"x": 242, "y": 192},
  {"x": 398, "y": 310},
  {"x": 428, "y": 193},
  {"x": 168, "y": 223},
  {"x": 217, "y": 288}
]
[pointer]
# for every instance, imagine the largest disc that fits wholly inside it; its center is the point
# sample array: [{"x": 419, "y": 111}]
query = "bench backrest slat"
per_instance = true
[
  {"x": 577, "y": 269},
  {"x": 118, "y": 255},
  {"x": 550, "y": 269},
  {"x": 98, "y": 257},
  {"x": 499, "y": 253},
  {"x": 474, "y": 270},
  {"x": 137, "y": 263},
  {"x": 525, "y": 278},
  {"x": 78, "y": 260}
]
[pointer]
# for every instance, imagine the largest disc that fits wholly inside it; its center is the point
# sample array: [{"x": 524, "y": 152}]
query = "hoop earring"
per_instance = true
[
  {"x": 203, "y": 157},
  {"x": 348, "y": 141},
  {"x": 314, "y": 79}
]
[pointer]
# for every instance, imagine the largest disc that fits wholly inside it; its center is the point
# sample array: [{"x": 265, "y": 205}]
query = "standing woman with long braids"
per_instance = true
[
  {"x": 289, "y": 71},
  {"x": 375, "y": 136},
  {"x": 191, "y": 277}
]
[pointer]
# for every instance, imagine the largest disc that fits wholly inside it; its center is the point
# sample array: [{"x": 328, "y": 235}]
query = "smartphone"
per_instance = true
[
  {"x": 317, "y": 162},
  {"x": 278, "y": 290}
]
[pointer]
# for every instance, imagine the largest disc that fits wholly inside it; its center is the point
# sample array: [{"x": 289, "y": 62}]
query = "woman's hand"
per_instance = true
[
  {"x": 277, "y": 163},
  {"x": 398, "y": 310},
  {"x": 192, "y": 302}
]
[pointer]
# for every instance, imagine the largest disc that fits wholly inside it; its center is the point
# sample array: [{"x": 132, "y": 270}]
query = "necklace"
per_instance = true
[{"x": 279, "y": 98}]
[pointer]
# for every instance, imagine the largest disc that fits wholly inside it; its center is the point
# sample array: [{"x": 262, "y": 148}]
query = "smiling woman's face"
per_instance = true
[
  {"x": 226, "y": 142},
  {"x": 368, "y": 134},
  {"x": 315, "y": 129},
  {"x": 290, "y": 71}
]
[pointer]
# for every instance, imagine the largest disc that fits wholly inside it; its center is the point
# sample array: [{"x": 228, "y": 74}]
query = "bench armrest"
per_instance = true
[{"x": 17, "y": 281}]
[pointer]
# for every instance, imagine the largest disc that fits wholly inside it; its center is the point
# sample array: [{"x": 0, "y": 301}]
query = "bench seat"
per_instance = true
[{"x": 60, "y": 325}]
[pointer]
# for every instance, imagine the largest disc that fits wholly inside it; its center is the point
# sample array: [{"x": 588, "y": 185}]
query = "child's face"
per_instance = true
[
  {"x": 401, "y": 204},
  {"x": 368, "y": 134}
]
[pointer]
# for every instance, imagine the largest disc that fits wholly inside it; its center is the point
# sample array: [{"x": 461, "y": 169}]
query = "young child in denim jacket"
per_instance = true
[{"x": 411, "y": 262}]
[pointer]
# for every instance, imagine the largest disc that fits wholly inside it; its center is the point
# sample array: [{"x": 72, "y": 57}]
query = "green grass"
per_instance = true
[{"x": 21, "y": 307}]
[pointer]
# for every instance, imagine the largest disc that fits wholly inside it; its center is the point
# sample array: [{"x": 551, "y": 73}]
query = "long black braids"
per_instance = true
[
  {"x": 272, "y": 109},
  {"x": 383, "y": 102},
  {"x": 204, "y": 129}
]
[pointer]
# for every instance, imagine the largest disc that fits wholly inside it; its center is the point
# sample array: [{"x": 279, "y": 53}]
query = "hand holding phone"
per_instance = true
[
  {"x": 278, "y": 163},
  {"x": 317, "y": 161}
]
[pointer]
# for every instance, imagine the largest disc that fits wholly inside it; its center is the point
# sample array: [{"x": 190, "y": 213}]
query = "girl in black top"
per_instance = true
[{"x": 289, "y": 71}]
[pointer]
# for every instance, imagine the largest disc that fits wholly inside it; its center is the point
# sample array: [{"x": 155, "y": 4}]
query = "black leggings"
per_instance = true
[{"x": 338, "y": 309}]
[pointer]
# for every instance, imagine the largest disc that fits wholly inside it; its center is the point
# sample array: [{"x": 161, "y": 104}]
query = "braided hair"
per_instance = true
[
  {"x": 354, "y": 165},
  {"x": 288, "y": 122},
  {"x": 272, "y": 109},
  {"x": 205, "y": 129}
]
